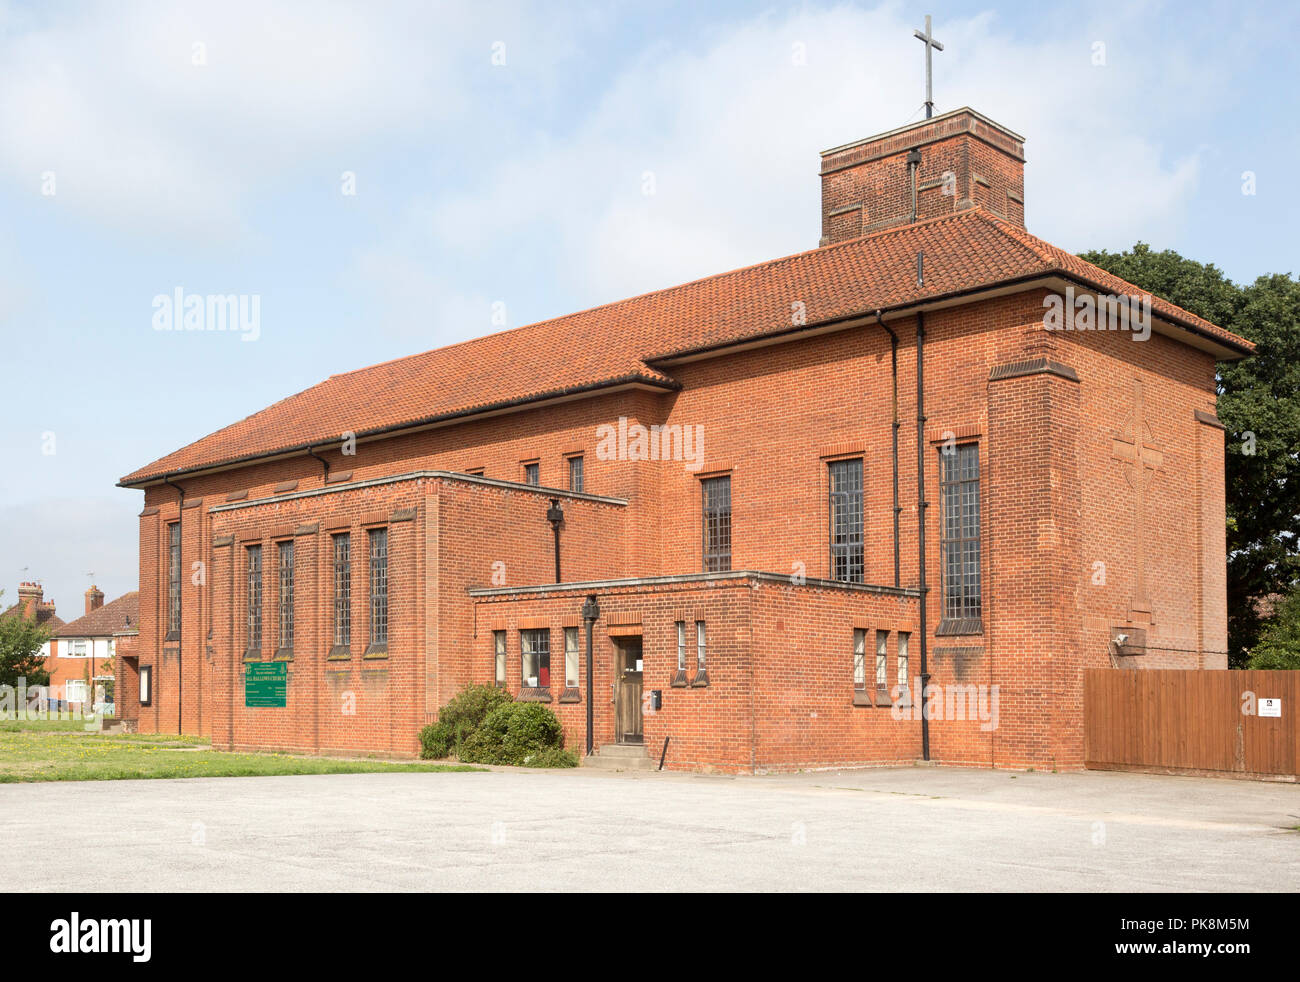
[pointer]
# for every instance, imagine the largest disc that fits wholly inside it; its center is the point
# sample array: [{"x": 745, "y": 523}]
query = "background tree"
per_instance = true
[
  {"x": 1259, "y": 405},
  {"x": 20, "y": 651},
  {"x": 1279, "y": 644}
]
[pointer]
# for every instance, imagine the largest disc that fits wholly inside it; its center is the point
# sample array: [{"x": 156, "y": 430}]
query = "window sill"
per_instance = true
[
  {"x": 679, "y": 680},
  {"x": 376, "y": 651},
  {"x": 882, "y": 697},
  {"x": 253, "y": 654},
  {"x": 284, "y": 654},
  {"x": 340, "y": 652},
  {"x": 533, "y": 695},
  {"x": 701, "y": 680},
  {"x": 952, "y": 626},
  {"x": 571, "y": 695},
  {"x": 172, "y": 636},
  {"x": 861, "y": 697}
]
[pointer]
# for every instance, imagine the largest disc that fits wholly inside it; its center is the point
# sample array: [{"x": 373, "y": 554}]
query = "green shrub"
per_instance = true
[
  {"x": 460, "y": 719},
  {"x": 552, "y": 757},
  {"x": 520, "y": 734}
]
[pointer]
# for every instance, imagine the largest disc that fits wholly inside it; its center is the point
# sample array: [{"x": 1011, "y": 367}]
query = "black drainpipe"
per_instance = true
[
  {"x": 311, "y": 451},
  {"x": 921, "y": 507},
  {"x": 590, "y": 612},
  {"x": 893, "y": 356},
  {"x": 555, "y": 515},
  {"x": 180, "y": 572}
]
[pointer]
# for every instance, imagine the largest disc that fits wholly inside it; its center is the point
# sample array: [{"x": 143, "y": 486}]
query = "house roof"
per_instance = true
[
  {"x": 105, "y": 621},
  {"x": 45, "y": 615},
  {"x": 624, "y": 342}
]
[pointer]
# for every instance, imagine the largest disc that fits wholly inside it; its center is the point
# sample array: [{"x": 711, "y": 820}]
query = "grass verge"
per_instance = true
[{"x": 59, "y": 750}]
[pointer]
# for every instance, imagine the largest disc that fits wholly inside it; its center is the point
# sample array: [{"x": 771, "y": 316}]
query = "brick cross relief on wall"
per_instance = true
[{"x": 1135, "y": 450}]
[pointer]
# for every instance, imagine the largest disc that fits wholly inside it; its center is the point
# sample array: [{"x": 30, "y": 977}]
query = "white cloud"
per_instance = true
[
  {"x": 731, "y": 131},
  {"x": 157, "y": 116}
]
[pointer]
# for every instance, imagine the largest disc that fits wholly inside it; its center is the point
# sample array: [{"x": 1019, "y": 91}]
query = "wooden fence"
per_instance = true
[{"x": 1191, "y": 722}]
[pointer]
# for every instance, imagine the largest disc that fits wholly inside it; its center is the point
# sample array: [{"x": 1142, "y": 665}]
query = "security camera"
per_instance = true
[{"x": 1121, "y": 640}]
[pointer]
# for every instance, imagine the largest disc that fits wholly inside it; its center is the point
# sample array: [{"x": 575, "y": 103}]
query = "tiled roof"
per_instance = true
[
  {"x": 623, "y": 341},
  {"x": 45, "y": 616},
  {"x": 103, "y": 622}
]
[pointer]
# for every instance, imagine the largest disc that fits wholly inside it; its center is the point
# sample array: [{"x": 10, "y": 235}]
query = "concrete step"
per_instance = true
[{"x": 621, "y": 757}]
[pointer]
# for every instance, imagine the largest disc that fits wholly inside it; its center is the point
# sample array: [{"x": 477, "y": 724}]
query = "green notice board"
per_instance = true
[{"x": 266, "y": 684}]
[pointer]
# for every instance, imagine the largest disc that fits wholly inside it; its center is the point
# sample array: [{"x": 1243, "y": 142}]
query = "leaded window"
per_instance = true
[
  {"x": 285, "y": 560},
  {"x": 253, "y": 557},
  {"x": 535, "y": 656},
  {"x": 174, "y": 580},
  {"x": 532, "y": 474},
  {"x": 575, "y": 474},
  {"x": 882, "y": 659},
  {"x": 342, "y": 589},
  {"x": 846, "y": 520},
  {"x": 717, "y": 524},
  {"x": 959, "y": 489},
  {"x": 904, "y": 638},
  {"x": 378, "y": 588}
]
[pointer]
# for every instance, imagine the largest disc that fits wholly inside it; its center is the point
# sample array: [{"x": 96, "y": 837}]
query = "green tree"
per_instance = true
[
  {"x": 20, "y": 651},
  {"x": 1279, "y": 645},
  {"x": 1259, "y": 405}
]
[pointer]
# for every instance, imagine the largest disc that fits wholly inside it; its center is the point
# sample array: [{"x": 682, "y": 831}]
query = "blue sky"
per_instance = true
[{"x": 204, "y": 146}]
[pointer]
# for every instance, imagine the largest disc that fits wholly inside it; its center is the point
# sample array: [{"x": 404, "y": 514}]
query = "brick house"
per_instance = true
[
  {"x": 785, "y": 501},
  {"x": 33, "y": 606},
  {"x": 83, "y": 652}
]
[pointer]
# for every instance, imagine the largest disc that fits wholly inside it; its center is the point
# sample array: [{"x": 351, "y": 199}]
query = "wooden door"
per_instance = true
[{"x": 628, "y": 700}]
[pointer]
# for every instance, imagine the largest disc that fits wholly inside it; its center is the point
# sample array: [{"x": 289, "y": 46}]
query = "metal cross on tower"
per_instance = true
[{"x": 930, "y": 45}]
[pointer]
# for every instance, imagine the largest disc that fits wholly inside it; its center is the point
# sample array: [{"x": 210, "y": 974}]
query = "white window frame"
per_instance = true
[
  {"x": 499, "y": 645},
  {"x": 904, "y": 641},
  {"x": 681, "y": 647},
  {"x": 860, "y": 658},
  {"x": 571, "y": 658},
  {"x": 882, "y": 659},
  {"x": 700, "y": 665}
]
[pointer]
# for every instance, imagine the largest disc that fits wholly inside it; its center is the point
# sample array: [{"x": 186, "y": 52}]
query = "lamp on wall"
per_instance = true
[{"x": 590, "y": 614}]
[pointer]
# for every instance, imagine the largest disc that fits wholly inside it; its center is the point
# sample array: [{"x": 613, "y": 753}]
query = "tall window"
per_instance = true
[
  {"x": 699, "y": 647},
  {"x": 959, "y": 487},
  {"x": 146, "y": 685},
  {"x": 903, "y": 640},
  {"x": 378, "y": 588},
  {"x": 846, "y": 520},
  {"x": 174, "y": 580},
  {"x": 717, "y": 524},
  {"x": 859, "y": 658},
  {"x": 681, "y": 647},
  {"x": 535, "y": 651},
  {"x": 499, "y": 649},
  {"x": 533, "y": 474},
  {"x": 575, "y": 473},
  {"x": 253, "y": 555},
  {"x": 882, "y": 659},
  {"x": 284, "y": 558},
  {"x": 342, "y": 589},
  {"x": 570, "y": 657}
]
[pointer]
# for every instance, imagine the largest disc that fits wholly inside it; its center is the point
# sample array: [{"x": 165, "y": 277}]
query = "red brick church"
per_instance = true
[{"x": 932, "y": 463}]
